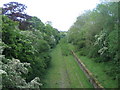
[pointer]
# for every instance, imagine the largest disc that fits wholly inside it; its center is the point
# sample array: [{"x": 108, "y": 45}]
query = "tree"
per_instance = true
[
  {"x": 12, "y": 72},
  {"x": 95, "y": 33},
  {"x": 16, "y": 12}
]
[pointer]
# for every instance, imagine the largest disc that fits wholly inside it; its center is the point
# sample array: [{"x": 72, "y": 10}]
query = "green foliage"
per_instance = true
[
  {"x": 95, "y": 34},
  {"x": 64, "y": 70},
  {"x": 98, "y": 71},
  {"x": 51, "y": 35},
  {"x": 12, "y": 71},
  {"x": 48, "y": 33},
  {"x": 16, "y": 12},
  {"x": 65, "y": 47},
  {"x": 31, "y": 46}
]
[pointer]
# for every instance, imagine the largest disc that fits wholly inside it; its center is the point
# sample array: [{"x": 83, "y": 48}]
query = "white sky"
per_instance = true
[{"x": 62, "y": 13}]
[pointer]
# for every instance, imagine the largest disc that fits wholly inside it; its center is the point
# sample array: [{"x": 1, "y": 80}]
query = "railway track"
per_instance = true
[{"x": 88, "y": 74}]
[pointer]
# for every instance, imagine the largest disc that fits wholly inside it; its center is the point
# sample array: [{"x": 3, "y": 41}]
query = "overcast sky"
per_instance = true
[{"x": 62, "y": 13}]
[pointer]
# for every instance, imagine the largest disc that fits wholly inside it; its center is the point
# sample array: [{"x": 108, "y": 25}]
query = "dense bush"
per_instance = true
[
  {"x": 12, "y": 71},
  {"x": 95, "y": 34},
  {"x": 26, "y": 44}
]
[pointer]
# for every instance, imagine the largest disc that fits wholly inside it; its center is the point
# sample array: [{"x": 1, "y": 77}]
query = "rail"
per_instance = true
[{"x": 89, "y": 75}]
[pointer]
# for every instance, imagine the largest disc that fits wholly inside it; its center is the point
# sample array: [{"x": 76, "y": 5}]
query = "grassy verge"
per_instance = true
[
  {"x": 64, "y": 71},
  {"x": 98, "y": 71},
  {"x": 56, "y": 77},
  {"x": 77, "y": 77}
]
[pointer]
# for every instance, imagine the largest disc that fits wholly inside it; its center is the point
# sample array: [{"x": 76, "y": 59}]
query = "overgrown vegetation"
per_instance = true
[
  {"x": 64, "y": 71},
  {"x": 27, "y": 40},
  {"x": 95, "y": 35},
  {"x": 26, "y": 43}
]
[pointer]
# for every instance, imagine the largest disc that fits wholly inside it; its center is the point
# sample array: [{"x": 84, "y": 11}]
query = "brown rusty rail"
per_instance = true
[{"x": 89, "y": 75}]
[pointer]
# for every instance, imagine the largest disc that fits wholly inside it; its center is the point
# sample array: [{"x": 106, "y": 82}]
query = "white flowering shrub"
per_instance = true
[
  {"x": 12, "y": 71},
  {"x": 101, "y": 42},
  {"x": 31, "y": 45},
  {"x": 102, "y": 50}
]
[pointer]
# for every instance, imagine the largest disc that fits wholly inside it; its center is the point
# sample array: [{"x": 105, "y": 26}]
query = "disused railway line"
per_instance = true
[{"x": 88, "y": 74}]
